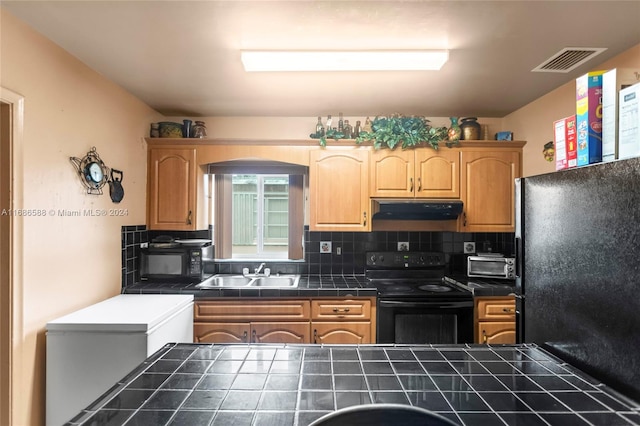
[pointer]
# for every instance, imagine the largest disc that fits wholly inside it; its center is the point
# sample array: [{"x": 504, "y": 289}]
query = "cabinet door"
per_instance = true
[
  {"x": 437, "y": 173},
  {"x": 392, "y": 173},
  {"x": 223, "y": 332},
  {"x": 280, "y": 332},
  {"x": 339, "y": 190},
  {"x": 341, "y": 332},
  {"x": 487, "y": 183},
  {"x": 171, "y": 189},
  {"x": 496, "y": 332}
]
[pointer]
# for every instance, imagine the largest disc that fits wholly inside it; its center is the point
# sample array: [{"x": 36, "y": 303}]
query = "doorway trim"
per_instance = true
[{"x": 12, "y": 298}]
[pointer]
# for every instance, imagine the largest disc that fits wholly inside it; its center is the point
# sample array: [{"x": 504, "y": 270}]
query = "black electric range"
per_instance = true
[{"x": 415, "y": 304}]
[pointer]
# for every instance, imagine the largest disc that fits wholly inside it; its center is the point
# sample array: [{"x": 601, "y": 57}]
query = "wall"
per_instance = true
[
  {"x": 534, "y": 122},
  {"x": 70, "y": 262}
]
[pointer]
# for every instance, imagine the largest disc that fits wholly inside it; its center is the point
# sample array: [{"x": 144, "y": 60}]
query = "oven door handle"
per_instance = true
[{"x": 434, "y": 304}]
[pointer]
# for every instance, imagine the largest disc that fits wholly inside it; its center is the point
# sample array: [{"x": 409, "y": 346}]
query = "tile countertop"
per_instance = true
[
  {"x": 309, "y": 285},
  {"x": 483, "y": 286},
  {"x": 318, "y": 285},
  {"x": 281, "y": 385}
]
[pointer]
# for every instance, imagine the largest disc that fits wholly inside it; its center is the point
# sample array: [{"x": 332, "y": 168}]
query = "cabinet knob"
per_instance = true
[
  {"x": 484, "y": 336},
  {"x": 365, "y": 218},
  {"x": 189, "y": 218},
  {"x": 410, "y": 184},
  {"x": 244, "y": 336},
  {"x": 254, "y": 338},
  {"x": 419, "y": 184},
  {"x": 464, "y": 218},
  {"x": 315, "y": 336}
]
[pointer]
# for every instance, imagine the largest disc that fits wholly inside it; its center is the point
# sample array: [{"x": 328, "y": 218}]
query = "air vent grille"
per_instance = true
[{"x": 568, "y": 59}]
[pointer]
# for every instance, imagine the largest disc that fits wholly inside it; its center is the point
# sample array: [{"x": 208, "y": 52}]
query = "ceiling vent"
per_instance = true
[{"x": 568, "y": 58}]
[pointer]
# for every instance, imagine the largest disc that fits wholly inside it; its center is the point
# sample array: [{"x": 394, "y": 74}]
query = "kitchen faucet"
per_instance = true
[{"x": 259, "y": 268}]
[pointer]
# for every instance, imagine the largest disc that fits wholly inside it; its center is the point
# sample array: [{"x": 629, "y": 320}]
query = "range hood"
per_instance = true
[{"x": 399, "y": 209}]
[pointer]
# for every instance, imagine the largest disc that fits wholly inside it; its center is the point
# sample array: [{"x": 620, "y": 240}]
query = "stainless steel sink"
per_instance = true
[
  {"x": 276, "y": 281},
  {"x": 241, "y": 281}
]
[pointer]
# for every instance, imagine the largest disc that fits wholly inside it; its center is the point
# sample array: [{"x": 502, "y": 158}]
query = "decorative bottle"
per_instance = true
[
  {"x": 340, "y": 124},
  {"x": 454, "y": 130},
  {"x": 348, "y": 130},
  {"x": 199, "y": 130},
  {"x": 470, "y": 128},
  {"x": 357, "y": 129},
  {"x": 319, "y": 128},
  {"x": 367, "y": 126},
  {"x": 329, "y": 121}
]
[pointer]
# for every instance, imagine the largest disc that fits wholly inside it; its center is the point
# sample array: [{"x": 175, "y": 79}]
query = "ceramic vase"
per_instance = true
[
  {"x": 470, "y": 128},
  {"x": 186, "y": 128},
  {"x": 199, "y": 130},
  {"x": 455, "y": 131}
]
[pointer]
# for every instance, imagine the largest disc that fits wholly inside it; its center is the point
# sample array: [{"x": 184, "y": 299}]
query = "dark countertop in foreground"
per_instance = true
[
  {"x": 309, "y": 286},
  {"x": 282, "y": 385}
]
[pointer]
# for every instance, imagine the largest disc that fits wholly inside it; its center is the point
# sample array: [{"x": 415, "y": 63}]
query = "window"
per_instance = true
[
  {"x": 258, "y": 210},
  {"x": 260, "y": 213}
]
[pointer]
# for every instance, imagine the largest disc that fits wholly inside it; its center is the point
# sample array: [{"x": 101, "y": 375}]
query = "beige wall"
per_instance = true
[
  {"x": 534, "y": 122},
  {"x": 69, "y": 262}
]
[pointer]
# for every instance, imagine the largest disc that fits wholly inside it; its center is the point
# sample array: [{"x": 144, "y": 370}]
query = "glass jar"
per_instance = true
[
  {"x": 199, "y": 130},
  {"x": 470, "y": 128}
]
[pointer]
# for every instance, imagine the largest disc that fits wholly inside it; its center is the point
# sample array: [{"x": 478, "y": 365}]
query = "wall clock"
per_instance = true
[{"x": 92, "y": 171}]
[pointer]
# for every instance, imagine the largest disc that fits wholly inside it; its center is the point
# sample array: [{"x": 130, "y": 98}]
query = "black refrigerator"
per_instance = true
[{"x": 578, "y": 269}]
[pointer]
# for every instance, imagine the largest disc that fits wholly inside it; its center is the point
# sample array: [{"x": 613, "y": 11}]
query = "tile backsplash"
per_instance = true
[{"x": 352, "y": 247}]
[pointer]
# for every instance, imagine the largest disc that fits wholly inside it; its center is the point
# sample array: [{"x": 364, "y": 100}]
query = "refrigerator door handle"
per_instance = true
[{"x": 518, "y": 256}]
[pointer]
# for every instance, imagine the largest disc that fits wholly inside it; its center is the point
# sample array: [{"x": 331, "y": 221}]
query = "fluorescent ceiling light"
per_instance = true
[{"x": 372, "y": 60}]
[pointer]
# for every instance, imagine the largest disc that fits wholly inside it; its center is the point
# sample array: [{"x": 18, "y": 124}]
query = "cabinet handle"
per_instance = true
[
  {"x": 410, "y": 184},
  {"x": 484, "y": 336},
  {"x": 244, "y": 337},
  {"x": 365, "y": 218},
  {"x": 464, "y": 218},
  {"x": 507, "y": 310},
  {"x": 340, "y": 310},
  {"x": 419, "y": 184},
  {"x": 315, "y": 336},
  {"x": 189, "y": 218},
  {"x": 254, "y": 339}
]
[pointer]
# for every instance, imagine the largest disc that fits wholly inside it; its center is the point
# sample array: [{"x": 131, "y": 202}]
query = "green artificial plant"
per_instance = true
[{"x": 398, "y": 130}]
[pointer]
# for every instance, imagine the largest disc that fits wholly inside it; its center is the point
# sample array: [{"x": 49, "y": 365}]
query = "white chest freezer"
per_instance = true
[{"x": 89, "y": 350}]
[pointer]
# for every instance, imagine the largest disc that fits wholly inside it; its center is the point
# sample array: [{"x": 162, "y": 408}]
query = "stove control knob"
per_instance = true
[
  {"x": 381, "y": 259},
  {"x": 373, "y": 258}
]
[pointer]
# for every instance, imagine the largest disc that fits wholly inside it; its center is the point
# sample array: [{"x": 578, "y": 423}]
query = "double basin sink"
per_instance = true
[{"x": 249, "y": 281}]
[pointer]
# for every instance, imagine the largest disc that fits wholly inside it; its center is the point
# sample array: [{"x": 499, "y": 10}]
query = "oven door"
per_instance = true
[{"x": 415, "y": 321}]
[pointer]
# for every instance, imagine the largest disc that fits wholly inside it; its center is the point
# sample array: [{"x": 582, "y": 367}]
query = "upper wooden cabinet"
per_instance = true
[
  {"x": 488, "y": 189},
  {"x": 339, "y": 189},
  {"x": 172, "y": 189},
  {"x": 419, "y": 173}
]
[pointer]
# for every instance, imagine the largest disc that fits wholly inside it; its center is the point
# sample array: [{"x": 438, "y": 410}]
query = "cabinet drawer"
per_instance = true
[
  {"x": 496, "y": 309},
  {"x": 252, "y": 310},
  {"x": 335, "y": 310}
]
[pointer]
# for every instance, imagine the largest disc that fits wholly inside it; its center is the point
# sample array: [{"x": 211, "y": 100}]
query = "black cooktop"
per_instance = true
[{"x": 411, "y": 274}]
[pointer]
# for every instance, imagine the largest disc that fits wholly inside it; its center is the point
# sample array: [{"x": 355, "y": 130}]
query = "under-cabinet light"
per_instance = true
[{"x": 373, "y": 60}]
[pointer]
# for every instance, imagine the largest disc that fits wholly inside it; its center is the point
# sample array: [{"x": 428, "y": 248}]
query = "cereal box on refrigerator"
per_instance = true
[
  {"x": 629, "y": 123},
  {"x": 564, "y": 132},
  {"x": 589, "y": 117},
  {"x": 612, "y": 82}
]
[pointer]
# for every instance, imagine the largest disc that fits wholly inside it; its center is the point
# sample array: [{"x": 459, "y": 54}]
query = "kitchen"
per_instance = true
[{"x": 70, "y": 108}]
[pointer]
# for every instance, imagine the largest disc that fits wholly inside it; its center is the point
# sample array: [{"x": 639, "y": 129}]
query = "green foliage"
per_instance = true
[{"x": 398, "y": 130}]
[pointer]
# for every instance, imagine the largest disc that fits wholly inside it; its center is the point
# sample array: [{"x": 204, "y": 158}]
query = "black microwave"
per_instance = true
[{"x": 174, "y": 264}]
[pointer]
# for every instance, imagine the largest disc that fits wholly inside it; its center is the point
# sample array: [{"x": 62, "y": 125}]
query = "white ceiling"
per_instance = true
[{"x": 182, "y": 57}]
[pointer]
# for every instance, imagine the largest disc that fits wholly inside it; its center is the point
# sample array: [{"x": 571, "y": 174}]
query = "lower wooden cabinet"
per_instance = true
[
  {"x": 327, "y": 321},
  {"x": 495, "y": 320},
  {"x": 258, "y": 332},
  {"x": 341, "y": 332}
]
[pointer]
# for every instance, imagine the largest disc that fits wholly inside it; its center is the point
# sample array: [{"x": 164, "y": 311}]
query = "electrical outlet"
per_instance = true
[
  {"x": 469, "y": 247},
  {"x": 403, "y": 246},
  {"x": 338, "y": 251},
  {"x": 325, "y": 246},
  {"x": 144, "y": 245}
]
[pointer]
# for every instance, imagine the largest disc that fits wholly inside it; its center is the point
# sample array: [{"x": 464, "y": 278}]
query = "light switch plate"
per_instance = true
[
  {"x": 403, "y": 246},
  {"x": 325, "y": 246},
  {"x": 469, "y": 247}
]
